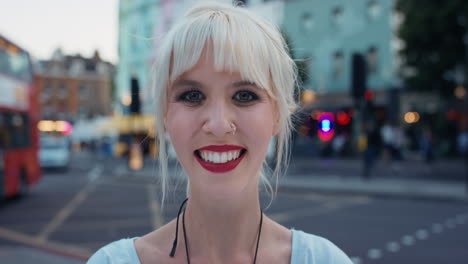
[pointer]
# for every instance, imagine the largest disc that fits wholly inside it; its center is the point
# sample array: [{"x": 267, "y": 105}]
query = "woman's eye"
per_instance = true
[
  {"x": 245, "y": 96},
  {"x": 192, "y": 97}
]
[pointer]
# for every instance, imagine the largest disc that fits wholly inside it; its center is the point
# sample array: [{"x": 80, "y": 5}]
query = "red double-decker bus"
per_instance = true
[{"x": 19, "y": 115}]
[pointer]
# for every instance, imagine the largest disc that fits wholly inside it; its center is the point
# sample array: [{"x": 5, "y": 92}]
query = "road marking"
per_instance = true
[
  {"x": 95, "y": 173},
  {"x": 392, "y": 246},
  {"x": 154, "y": 207},
  {"x": 356, "y": 260},
  {"x": 374, "y": 253},
  {"x": 79, "y": 252},
  {"x": 407, "y": 240},
  {"x": 422, "y": 234},
  {"x": 450, "y": 223},
  {"x": 437, "y": 228},
  {"x": 66, "y": 211}
]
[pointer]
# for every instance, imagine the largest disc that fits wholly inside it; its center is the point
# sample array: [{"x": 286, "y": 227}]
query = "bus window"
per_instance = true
[
  {"x": 14, "y": 131},
  {"x": 15, "y": 62},
  {"x": 4, "y": 136}
]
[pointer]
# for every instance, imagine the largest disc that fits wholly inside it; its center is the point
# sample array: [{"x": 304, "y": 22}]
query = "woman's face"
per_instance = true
[{"x": 202, "y": 105}]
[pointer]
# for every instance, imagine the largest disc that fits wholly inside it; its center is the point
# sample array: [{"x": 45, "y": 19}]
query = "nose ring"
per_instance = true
[{"x": 233, "y": 127}]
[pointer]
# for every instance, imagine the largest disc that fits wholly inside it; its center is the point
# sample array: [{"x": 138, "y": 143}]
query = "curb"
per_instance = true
[{"x": 406, "y": 189}]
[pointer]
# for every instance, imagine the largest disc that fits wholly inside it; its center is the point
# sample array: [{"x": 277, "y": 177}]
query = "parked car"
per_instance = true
[{"x": 54, "y": 152}]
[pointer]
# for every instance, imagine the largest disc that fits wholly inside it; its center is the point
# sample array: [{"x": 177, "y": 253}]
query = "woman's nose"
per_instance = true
[{"x": 218, "y": 119}]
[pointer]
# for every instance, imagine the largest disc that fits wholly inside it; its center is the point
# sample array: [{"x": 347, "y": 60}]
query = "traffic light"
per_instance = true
[
  {"x": 359, "y": 76},
  {"x": 343, "y": 118},
  {"x": 135, "y": 105},
  {"x": 326, "y": 128}
]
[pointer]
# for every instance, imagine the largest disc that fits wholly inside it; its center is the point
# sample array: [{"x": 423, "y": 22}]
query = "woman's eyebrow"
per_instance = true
[
  {"x": 186, "y": 82},
  {"x": 244, "y": 83}
]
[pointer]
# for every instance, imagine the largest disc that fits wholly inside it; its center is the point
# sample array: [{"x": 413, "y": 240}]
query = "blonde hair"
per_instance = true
[{"x": 241, "y": 42}]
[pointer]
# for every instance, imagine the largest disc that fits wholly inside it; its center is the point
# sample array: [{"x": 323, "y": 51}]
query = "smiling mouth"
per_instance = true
[{"x": 214, "y": 157}]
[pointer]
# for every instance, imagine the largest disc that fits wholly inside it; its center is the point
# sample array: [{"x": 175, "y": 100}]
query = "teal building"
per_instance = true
[
  {"x": 323, "y": 33},
  {"x": 135, "y": 48},
  {"x": 326, "y": 34}
]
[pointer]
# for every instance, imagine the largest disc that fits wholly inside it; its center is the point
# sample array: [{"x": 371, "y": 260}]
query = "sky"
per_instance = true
[{"x": 76, "y": 26}]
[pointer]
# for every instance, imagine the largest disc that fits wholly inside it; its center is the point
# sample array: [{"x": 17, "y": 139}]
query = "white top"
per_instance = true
[{"x": 306, "y": 249}]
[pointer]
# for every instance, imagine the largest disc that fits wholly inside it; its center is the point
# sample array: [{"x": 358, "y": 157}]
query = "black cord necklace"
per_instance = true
[{"x": 174, "y": 245}]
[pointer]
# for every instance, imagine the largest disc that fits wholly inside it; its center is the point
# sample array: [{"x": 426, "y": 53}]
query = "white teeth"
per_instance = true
[{"x": 219, "y": 157}]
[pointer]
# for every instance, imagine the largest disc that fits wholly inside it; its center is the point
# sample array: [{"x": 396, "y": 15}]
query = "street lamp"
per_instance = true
[
  {"x": 126, "y": 100},
  {"x": 308, "y": 96},
  {"x": 460, "y": 92}
]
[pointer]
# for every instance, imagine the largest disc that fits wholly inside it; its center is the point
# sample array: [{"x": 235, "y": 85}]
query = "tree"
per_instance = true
[
  {"x": 301, "y": 64},
  {"x": 435, "y": 41}
]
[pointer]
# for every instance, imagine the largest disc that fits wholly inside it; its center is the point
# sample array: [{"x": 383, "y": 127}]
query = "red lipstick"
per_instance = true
[{"x": 221, "y": 167}]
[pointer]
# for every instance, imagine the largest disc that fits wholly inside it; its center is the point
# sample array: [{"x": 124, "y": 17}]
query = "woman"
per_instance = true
[{"x": 224, "y": 88}]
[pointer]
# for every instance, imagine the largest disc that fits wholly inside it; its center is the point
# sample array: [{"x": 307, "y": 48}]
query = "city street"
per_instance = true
[
  {"x": 73, "y": 213},
  {"x": 369, "y": 110}
]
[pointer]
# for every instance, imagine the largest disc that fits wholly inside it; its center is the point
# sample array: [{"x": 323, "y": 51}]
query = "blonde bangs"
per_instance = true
[{"x": 237, "y": 46}]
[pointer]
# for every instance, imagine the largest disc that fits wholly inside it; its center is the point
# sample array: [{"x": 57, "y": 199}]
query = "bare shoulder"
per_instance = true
[
  {"x": 154, "y": 247},
  {"x": 278, "y": 243}
]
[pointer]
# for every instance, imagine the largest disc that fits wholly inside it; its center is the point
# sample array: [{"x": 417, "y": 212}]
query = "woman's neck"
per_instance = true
[{"x": 222, "y": 231}]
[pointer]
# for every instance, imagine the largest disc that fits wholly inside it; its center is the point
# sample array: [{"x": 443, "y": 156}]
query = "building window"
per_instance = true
[
  {"x": 44, "y": 98},
  {"x": 372, "y": 59},
  {"x": 338, "y": 63},
  {"x": 373, "y": 9},
  {"x": 20, "y": 131},
  {"x": 62, "y": 107},
  {"x": 133, "y": 41},
  {"x": 47, "y": 89},
  {"x": 307, "y": 22},
  {"x": 63, "y": 91},
  {"x": 83, "y": 112},
  {"x": 337, "y": 16},
  {"x": 83, "y": 91}
]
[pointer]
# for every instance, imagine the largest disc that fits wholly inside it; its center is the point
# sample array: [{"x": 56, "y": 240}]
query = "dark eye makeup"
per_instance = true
[
  {"x": 196, "y": 97},
  {"x": 245, "y": 96},
  {"x": 191, "y": 96}
]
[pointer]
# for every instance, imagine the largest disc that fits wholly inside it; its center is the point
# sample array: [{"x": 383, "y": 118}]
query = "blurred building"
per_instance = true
[
  {"x": 142, "y": 24},
  {"x": 326, "y": 34},
  {"x": 73, "y": 87}
]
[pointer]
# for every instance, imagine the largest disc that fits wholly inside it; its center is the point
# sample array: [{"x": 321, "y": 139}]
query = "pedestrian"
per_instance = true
[
  {"x": 224, "y": 86},
  {"x": 427, "y": 145},
  {"x": 371, "y": 148},
  {"x": 398, "y": 142},
  {"x": 338, "y": 144},
  {"x": 387, "y": 133}
]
